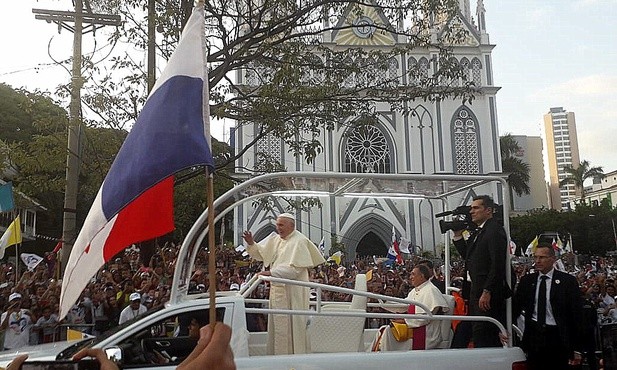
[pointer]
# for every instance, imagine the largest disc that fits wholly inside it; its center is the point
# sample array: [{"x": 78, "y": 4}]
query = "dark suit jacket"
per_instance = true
[
  {"x": 566, "y": 302},
  {"x": 485, "y": 260},
  {"x": 441, "y": 285}
]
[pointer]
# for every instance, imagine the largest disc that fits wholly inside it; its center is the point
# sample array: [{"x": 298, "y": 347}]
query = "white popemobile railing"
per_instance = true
[{"x": 333, "y": 184}]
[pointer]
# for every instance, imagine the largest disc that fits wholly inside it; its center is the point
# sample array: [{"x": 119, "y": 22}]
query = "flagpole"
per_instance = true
[
  {"x": 211, "y": 247},
  {"x": 16, "y": 248},
  {"x": 209, "y": 180}
]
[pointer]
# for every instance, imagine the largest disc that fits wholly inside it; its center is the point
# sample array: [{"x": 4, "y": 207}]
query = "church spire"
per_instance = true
[
  {"x": 480, "y": 13},
  {"x": 465, "y": 9}
]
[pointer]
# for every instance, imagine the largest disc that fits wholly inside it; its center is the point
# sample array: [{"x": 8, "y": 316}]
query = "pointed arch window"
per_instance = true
[
  {"x": 393, "y": 73},
  {"x": 465, "y": 135},
  {"x": 250, "y": 75},
  {"x": 269, "y": 149},
  {"x": 257, "y": 74},
  {"x": 454, "y": 82},
  {"x": 312, "y": 71},
  {"x": 367, "y": 151},
  {"x": 466, "y": 68},
  {"x": 381, "y": 72},
  {"x": 412, "y": 71},
  {"x": 361, "y": 79},
  {"x": 423, "y": 68},
  {"x": 476, "y": 71},
  {"x": 348, "y": 82}
]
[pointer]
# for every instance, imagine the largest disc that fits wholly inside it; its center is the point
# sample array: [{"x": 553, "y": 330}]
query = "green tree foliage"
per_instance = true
[
  {"x": 589, "y": 226},
  {"x": 16, "y": 123},
  {"x": 577, "y": 174},
  {"x": 514, "y": 167},
  {"x": 38, "y": 151}
]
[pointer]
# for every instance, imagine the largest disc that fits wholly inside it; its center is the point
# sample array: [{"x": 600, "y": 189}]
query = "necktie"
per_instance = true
[{"x": 542, "y": 300}]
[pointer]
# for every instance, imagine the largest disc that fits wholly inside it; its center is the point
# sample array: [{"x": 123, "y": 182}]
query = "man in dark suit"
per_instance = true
[
  {"x": 552, "y": 302},
  {"x": 441, "y": 285},
  {"x": 485, "y": 262}
]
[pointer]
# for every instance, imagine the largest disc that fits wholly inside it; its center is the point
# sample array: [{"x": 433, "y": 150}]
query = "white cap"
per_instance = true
[
  {"x": 135, "y": 297},
  {"x": 341, "y": 271},
  {"x": 288, "y": 215},
  {"x": 14, "y": 296},
  {"x": 234, "y": 286}
]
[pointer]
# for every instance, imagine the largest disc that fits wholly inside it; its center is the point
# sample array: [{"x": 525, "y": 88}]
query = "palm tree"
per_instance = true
[
  {"x": 577, "y": 176},
  {"x": 515, "y": 168}
]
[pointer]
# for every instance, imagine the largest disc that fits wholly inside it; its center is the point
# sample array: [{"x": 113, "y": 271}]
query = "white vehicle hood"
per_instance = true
[{"x": 40, "y": 352}]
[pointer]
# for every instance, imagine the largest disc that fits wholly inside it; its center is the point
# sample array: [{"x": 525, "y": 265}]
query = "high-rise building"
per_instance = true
[
  {"x": 531, "y": 153},
  {"x": 562, "y": 150}
]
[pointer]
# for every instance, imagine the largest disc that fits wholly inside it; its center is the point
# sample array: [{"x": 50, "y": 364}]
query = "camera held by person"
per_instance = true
[{"x": 461, "y": 220}]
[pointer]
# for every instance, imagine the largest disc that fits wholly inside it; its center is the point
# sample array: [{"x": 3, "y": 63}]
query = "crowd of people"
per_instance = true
[
  {"x": 127, "y": 287},
  {"x": 109, "y": 292}
]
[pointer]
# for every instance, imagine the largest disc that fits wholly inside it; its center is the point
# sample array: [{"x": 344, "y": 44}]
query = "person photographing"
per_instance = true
[
  {"x": 484, "y": 253},
  {"x": 16, "y": 323}
]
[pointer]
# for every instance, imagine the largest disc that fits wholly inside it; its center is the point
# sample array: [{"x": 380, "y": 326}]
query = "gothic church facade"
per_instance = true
[{"x": 444, "y": 137}]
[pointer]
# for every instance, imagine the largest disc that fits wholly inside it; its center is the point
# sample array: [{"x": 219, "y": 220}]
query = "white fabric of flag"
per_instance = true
[{"x": 31, "y": 260}]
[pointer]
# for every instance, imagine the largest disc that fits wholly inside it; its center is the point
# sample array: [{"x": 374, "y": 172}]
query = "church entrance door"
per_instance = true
[{"x": 371, "y": 245}]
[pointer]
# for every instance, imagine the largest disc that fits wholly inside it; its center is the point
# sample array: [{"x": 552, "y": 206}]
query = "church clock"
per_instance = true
[{"x": 363, "y": 27}]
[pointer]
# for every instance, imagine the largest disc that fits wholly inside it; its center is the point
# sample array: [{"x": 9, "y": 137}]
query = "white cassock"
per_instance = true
[
  {"x": 429, "y": 295},
  {"x": 288, "y": 258}
]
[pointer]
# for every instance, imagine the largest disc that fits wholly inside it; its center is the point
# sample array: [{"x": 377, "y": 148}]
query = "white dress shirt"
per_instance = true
[{"x": 550, "y": 319}]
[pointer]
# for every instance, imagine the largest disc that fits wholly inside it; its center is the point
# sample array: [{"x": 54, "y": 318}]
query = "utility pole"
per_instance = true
[
  {"x": 92, "y": 22},
  {"x": 151, "y": 44}
]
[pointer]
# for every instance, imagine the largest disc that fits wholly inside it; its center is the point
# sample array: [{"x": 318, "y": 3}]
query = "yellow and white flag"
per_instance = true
[
  {"x": 531, "y": 248},
  {"x": 11, "y": 236},
  {"x": 336, "y": 257}
]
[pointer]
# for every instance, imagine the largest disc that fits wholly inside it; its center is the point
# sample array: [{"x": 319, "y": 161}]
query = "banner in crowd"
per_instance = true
[
  {"x": 322, "y": 246},
  {"x": 6, "y": 197},
  {"x": 404, "y": 245},
  {"x": 31, "y": 260},
  {"x": 11, "y": 236},
  {"x": 135, "y": 201}
]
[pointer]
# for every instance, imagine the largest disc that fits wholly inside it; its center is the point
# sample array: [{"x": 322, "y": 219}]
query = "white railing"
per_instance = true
[{"x": 400, "y": 302}]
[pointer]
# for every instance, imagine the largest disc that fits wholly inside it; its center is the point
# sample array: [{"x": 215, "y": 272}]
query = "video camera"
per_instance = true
[{"x": 461, "y": 220}]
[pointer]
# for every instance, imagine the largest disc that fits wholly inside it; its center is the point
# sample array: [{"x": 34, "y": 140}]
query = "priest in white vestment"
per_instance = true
[
  {"x": 428, "y": 294},
  {"x": 289, "y": 255}
]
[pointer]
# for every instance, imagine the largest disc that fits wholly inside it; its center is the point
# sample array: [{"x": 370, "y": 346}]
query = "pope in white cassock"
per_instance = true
[
  {"x": 289, "y": 255},
  {"x": 427, "y": 293}
]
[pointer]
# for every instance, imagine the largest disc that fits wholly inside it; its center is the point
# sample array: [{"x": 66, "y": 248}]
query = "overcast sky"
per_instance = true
[{"x": 549, "y": 53}]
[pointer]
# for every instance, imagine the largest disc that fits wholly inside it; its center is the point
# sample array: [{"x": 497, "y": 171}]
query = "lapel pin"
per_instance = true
[{"x": 557, "y": 281}]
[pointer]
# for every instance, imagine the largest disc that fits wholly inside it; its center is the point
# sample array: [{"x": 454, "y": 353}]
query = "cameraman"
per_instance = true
[{"x": 484, "y": 253}]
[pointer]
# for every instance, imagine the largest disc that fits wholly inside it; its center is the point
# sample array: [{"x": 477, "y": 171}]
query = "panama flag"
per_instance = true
[
  {"x": 322, "y": 246},
  {"x": 394, "y": 252},
  {"x": 135, "y": 201}
]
